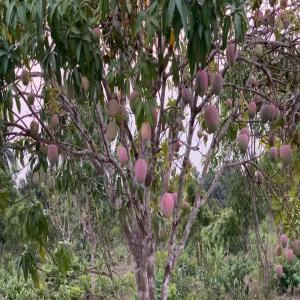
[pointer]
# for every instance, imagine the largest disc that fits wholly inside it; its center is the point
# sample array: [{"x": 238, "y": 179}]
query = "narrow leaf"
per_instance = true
[
  {"x": 226, "y": 27},
  {"x": 170, "y": 12}
]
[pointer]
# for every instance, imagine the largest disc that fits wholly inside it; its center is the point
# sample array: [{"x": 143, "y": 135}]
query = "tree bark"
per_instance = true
[
  {"x": 141, "y": 244},
  {"x": 144, "y": 272},
  {"x": 142, "y": 282},
  {"x": 166, "y": 282},
  {"x": 93, "y": 266},
  {"x": 150, "y": 271}
]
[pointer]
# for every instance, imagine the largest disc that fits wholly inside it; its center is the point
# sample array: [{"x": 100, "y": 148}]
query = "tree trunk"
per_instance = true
[
  {"x": 167, "y": 277},
  {"x": 142, "y": 246},
  {"x": 150, "y": 272},
  {"x": 165, "y": 287},
  {"x": 142, "y": 282},
  {"x": 262, "y": 253},
  {"x": 93, "y": 266},
  {"x": 144, "y": 272}
]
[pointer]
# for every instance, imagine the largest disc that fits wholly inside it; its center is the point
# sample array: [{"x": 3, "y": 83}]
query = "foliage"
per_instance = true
[
  {"x": 290, "y": 277},
  {"x": 60, "y": 287},
  {"x": 209, "y": 276},
  {"x": 224, "y": 231}
]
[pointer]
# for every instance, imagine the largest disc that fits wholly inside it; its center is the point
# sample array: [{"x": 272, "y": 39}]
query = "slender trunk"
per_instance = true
[
  {"x": 168, "y": 271},
  {"x": 262, "y": 253},
  {"x": 144, "y": 273},
  {"x": 93, "y": 265},
  {"x": 141, "y": 244},
  {"x": 165, "y": 287},
  {"x": 142, "y": 283},
  {"x": 259, "y": 243},
  {"x": 150, "y": 271}
]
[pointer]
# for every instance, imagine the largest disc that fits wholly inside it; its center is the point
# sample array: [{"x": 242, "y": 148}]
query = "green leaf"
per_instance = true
[
  {"x": 2, "y": 166},
  {"x": 11, "y": 116},
  {"x": 5, "y": 65},
  {"x": 78, "y": 51},
  {"x": 177, "y": 26},
  {"x": 202, "y": 50},
  {"x": 226, "y": 27},
  {"x": 18, "y": 104},
  {"x": 175, "y": 72},
  {"x": 24, "y": 265},
  {"x": 238, "y": 26},
  {"x": 191, "y": 56},
  {"x": 200, "y": 30},
  {"x": 183, "y": 13},
  {"x": 39, "y": 10},
  {"x": 139, "y": 22},
  {"x": 104, "y": 8},
  {"x": 207, "y": 36},
  {"x": 244, "y": 25},
  {"x": 170, "y": 12},
  {"x": 63, "y": 257},
  {"x": 119, "y": 186},
  {"x": 9, "y": 11},
  {"x": 139, "y": 115},
  {"x": 36, "y": 225},
  {"x": 4, "y": 196},
  {"x": 206, "y": 14},
  {"x": 148, "y": 112},
  {"x": 35, "y": 277},
  {"x": 2, "y": 52},
  {"x": 21, "y": 12}
]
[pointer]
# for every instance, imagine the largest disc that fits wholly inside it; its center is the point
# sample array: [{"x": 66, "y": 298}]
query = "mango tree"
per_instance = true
[{"x": 150, "y": 94}]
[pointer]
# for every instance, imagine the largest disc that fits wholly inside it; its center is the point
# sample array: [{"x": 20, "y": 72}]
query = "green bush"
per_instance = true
[
  {"x": 290, "y": 277},
  {"x": 211, "y": 276},
  {"x": 12, "y": 288}
]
